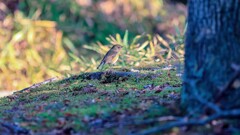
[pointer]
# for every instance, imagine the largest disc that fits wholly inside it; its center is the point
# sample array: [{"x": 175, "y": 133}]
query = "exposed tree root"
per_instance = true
[
  {"x": 108, "y": 76},
  {"x": 191, "y": 122},
  {"x": 219, "y": 113}
]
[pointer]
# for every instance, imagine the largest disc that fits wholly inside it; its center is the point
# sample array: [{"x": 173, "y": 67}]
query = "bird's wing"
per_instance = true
[
  {"x": 109, "y": 56},
  {"x": 102, "y": 63}
]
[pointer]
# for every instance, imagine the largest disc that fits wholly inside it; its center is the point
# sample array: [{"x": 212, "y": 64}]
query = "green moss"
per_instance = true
[{"x": 41, "y": 108}]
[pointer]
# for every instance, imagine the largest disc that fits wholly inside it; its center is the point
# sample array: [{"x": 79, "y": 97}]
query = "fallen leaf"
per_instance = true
[
  {"x": 66, "y": 102},
  {"x": 158, "y": 91},
  {"x": 61, "y": 122}
]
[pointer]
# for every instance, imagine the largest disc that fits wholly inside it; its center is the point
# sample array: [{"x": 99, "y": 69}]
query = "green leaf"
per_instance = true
[
  {"x": 125, "y": 38},
  {"x": 169, "y": 55},
  {"x": 118, "y": 38},
  {"x": 70, "y": 45},
  {"x": 136, "y": 39},
  {"x": 143, "y": 46},
  {"x": 90, "y": 48},
  {"x": 177, "y": 30},
  {"x": 185, "y": 28},
  {"x": 18, "y": 37},
  {"x": 77, "y": 59}
]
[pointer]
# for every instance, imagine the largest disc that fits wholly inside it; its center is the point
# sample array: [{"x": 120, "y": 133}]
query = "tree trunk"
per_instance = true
[{"x": 212, "y": 50}]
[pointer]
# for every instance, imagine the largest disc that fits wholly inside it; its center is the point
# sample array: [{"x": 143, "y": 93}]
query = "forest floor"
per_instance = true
[{"x": 87, "y": 104}]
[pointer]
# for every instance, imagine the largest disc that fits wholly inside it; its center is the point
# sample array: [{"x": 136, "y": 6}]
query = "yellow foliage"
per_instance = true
[
  {"x": 142, "y": 50},
  {"x": 29, "y": 51}
]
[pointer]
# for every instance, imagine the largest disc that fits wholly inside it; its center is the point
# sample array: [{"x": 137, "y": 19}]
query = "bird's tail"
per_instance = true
[{"x": 100, "y": 65}]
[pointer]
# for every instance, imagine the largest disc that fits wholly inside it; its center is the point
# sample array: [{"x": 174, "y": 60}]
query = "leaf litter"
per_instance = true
[{"x": 94, "y": 106}]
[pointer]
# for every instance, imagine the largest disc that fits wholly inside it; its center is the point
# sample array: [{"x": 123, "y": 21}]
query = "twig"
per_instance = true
[
  {"x": 37, "y": 85},
  {"x": 196, "y": 122},
  {"x": 191, "y": 122},
  {"x": 130, "y": 121},
  {"x": 200, "y": 99},
  {"x": 223, "y": 90}
]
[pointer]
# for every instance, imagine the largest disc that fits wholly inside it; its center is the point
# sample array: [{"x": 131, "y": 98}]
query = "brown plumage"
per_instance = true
[{"x": 111, "y": 56}]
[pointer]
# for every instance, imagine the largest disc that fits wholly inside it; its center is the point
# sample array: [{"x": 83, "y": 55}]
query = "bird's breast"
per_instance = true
[{"x": 115, "y": 59}]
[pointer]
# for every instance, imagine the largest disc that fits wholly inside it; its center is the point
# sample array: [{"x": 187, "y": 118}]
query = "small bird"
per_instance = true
[{"x": 111, "y": 56}]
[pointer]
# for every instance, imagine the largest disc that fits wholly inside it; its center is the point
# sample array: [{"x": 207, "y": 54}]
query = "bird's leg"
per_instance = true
[
  {"x": 111, "y": 67},
  {"x": 100, "y": 69},
  {"x": 114, "y": 66}
]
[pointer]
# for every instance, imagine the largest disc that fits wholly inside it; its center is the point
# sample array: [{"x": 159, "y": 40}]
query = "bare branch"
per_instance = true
[
  {"x": 37, "y": 85},
  {"x": 191, "y": 122},
  {"x": 200, "y": 99},
  {"x": 223, "y": 90},
  {"x": 199, "y": 122}
]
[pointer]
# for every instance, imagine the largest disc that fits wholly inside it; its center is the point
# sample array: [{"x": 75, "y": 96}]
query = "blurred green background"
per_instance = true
[{"x": 41, "y": 39}]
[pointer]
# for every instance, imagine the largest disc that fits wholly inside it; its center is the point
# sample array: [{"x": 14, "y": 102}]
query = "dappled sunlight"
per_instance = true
[{"x": 4, "y": 93}]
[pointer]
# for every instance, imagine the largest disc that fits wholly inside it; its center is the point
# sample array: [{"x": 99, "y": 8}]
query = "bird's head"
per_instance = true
[{"x": 117, "y": 47}]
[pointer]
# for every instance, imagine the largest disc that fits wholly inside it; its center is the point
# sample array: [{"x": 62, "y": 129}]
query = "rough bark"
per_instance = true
[{"x": 212, "y": 48}]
